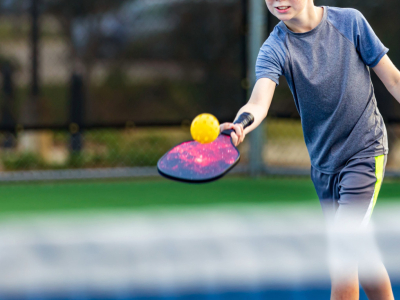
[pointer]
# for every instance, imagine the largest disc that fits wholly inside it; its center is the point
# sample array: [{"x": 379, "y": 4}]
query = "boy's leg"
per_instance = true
[
  {"x": 359, "y": 186},
  {"x": 343, "y": 263},
  {"x": 352, "y": 252},
  {"x": 378, "y": 287},
  {"x": 348, "y": 199},
  {"x": 344, "y": 276},
  {"x": 344, "y": 283}
]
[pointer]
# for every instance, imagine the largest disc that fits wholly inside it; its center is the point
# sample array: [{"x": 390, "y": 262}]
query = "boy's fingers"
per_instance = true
[
  {"x": 225, "y": 126},
  {"x": 234, "y": 138},
  {"x": 243, "y": 135},
  {"x": 239, "y": 132}
]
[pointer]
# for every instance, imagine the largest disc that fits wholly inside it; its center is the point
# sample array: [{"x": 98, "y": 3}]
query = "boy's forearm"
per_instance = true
[
  {"x": 395, "y": 91},
  {"x": 259, "y": 102},
  {"x": 258, "y": 111},
  {"x": 389, "y": 75}
]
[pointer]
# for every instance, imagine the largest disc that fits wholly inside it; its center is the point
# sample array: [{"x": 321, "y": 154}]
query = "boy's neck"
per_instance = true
[{"x": 306, "y": 20}]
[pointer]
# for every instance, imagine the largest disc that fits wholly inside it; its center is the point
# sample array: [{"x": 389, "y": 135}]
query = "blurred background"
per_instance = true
[{"x": 94, "y": 92}]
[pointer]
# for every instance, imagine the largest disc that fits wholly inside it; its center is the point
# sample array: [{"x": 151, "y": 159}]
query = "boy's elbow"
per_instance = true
[{"x": 394, "y": 83}]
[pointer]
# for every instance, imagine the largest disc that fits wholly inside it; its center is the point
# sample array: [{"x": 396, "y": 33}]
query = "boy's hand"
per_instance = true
[{"x": 237, "y": 134}]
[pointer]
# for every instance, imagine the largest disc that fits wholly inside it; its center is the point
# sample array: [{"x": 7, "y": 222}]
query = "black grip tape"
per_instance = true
[{"x": 246, "y": 119}]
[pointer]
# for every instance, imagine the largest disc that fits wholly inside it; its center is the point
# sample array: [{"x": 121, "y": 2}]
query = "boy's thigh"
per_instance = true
[
  {"x": 327, "y": 188},
  {"x": 351, "y": 194},
  {"x": 359, "y": 185},
  {"x": 347, "y": 199}
]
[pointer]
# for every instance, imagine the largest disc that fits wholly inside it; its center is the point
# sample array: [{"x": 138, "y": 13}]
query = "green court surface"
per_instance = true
[{"x": 156, "y": 193}]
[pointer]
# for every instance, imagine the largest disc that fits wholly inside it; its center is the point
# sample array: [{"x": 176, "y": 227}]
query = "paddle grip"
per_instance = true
[{"x": 246, "y": 119}]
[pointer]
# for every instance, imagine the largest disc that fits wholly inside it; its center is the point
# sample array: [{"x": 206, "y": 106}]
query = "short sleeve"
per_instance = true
[
  {"x": 367, "y": 43},
  {"x": 269, "y": 64}
]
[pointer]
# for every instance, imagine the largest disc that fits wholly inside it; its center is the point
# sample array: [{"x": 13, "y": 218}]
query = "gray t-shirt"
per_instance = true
[{"x": 327, "y": 70}]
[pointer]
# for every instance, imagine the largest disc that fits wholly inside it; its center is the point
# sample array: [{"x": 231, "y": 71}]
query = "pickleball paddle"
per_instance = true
[{"x": 195, "y": 162}]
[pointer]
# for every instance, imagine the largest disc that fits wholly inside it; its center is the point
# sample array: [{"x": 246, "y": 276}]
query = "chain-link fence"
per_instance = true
[
  {"x": 114, "y": 84},
  {"x": 87, "y": 84}
]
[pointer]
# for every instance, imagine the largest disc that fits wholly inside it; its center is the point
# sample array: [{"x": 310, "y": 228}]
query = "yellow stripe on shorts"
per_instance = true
[{"x": 379, "y": 164}]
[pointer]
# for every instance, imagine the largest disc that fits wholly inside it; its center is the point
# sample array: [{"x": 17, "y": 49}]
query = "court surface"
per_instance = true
[
  {"x": 237, "y": 238},
  {"x": 144, "y": 194}
]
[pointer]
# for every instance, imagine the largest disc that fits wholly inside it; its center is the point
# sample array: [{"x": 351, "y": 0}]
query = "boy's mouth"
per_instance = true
[{"x": 282, "y": 9}]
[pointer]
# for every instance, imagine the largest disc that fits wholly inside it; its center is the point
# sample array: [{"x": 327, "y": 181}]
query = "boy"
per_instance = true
[{"x": 325, "y": 54}]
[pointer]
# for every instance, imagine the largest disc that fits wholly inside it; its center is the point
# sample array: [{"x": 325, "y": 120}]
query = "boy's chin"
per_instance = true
[{"x": 284, "y": 18}]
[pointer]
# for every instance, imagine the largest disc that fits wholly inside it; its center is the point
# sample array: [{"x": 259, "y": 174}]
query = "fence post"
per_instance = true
[
  {"x": 35, "y": 50},
  {"x": 257, "y": 23},
  {"x": 76, "y": 112},
  {"x": 7, "y": 111},
  {"x": 29, "y": 113}
]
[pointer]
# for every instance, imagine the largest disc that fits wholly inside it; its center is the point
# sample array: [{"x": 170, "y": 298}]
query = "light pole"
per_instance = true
[{"x": 257, "y": 24}]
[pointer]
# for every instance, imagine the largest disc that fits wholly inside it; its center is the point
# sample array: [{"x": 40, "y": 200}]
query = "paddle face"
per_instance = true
[{"x": 195, "y": 162}]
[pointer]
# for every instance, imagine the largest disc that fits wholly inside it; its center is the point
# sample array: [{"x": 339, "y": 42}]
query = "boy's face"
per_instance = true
[{"x": 286, "y": 10}]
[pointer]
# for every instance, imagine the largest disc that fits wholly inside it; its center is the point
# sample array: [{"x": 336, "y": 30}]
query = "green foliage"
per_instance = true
[
  {"x": 117, "y": 99},
  {"x": 119, "y": 150},
  {"x": 22, "y": 161},
  {"x": 103, "y": 148},
  {"x": 144, "y": 151}
]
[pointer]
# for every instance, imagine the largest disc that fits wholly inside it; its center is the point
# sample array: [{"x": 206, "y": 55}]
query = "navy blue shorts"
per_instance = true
[{"x": 351, "y": 193}]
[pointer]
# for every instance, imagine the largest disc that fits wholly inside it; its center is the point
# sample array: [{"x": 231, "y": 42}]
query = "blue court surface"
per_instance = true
[{"x": 278, "y": 294}]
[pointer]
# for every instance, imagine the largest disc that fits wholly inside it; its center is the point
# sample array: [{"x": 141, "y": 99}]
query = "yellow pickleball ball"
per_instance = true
[{"x": 205, "y": 128}]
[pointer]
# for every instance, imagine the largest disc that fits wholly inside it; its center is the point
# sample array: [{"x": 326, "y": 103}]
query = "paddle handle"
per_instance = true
[{"x": 246, "y": 119}]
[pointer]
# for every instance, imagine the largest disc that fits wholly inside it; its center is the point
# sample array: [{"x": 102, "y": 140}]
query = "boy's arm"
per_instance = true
[
  {"x": 389, "y": 75},
  {"x": 258, "y": 106}
]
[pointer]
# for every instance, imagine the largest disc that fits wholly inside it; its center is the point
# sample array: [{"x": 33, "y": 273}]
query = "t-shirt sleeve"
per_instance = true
[
  {"x": 367, "y": 43},
  {"x": 268, "y": 64}
]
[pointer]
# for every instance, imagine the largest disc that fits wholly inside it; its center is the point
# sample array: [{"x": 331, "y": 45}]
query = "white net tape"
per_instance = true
[{"x": 240, "y": 247}]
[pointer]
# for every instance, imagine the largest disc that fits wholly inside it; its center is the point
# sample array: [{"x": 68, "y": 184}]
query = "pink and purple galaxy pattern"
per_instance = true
[{"x": 193, "y": 161}]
